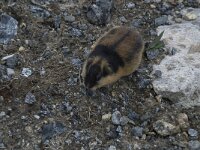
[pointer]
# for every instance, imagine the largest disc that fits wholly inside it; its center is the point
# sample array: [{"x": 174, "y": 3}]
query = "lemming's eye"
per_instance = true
[{"x": 98, "y": 76}]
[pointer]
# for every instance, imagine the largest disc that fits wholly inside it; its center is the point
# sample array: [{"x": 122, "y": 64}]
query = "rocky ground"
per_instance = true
[{"x": 42, "y": 106}]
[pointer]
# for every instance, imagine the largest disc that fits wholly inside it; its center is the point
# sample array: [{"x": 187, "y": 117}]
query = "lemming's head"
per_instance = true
[{"x": 93, "y": 71}]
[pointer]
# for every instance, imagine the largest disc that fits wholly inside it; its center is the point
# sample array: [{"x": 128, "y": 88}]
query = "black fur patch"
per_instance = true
[
  {"x": 108, "y": 53},
  {"x": 93, "y": 75},
  {"x": 135, "y": 50},
  {"x": 120, "y": 40}
]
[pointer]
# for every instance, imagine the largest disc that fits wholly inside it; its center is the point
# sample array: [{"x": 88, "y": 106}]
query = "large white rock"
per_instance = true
[{"x": 180, "y": 81}]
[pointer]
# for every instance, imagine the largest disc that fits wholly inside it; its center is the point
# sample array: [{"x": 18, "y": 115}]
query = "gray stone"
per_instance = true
[
  {"x": 193, "y": 132},
  {"x": 180, "y": 72},
  {"x": 130, "y": 5},
  {"x": 137, "y": 131},
  {"x": 112, "y": 147},
  {"x": 133, "y": 116},
  {"x": 1, "y": 99},
  {"x": 76, "y": 62},
  {"x": 190, "y": 14},
  {"x": 182, "y": 119},
  {"x": 124, "y": 120},
  {"x": 30, "y": 98},
  {"x": 8, "y": 28},
  {"x": 10, "y": 72},
  {"x": 11, "y": 60},
  {"x": 161, "y": 20},
  {"x": 116, "y": 118},
  {"x": 152, "y": 54},
  {"x": 194, "y": 145},
  {"x": 2, "y": 146},
  {"x": 3, "y": 73},
  {"x": 123, "y": 19},
  {"x": 52, "y": 129},
  {"x": 75, "y": 32},
  {"x": 119, "y": 129},
  {"x": 69, "y": 18},
  {"x": 2, "y": 114},
  {"x": 39, "y": 12},
  {"x": 164, "y": 128},
  {"x": 157, "y": 74},
  {"x": 137, "y": 22},
  {"x": 26, "y": 72},
  {"x": 100, "y": 12},
  {"x": 156, "y": 1}
]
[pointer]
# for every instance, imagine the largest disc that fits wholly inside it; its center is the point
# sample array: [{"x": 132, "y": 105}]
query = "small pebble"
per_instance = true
[
  {"x": 182, "y": 119},
  {"x": 10, "y": 72},
  {"x": 26, "y": 72},
  {"x": 123, "y": 19},
  {"x": 193, "y": 132},
  {"x": 124, "y": 120},
  {"x": 133, "y": 116},
  {"x": 190, "y": 16},
  {"x": 112, "y": 147},
  {"x": 116, "y": 117},
  {"x": 1, "y": 99},
  {"x": 2, "y": 114},
  {"x": 30, "y": 98},
  {"x": 130, "y": 5},
  {"x": 157, "y": 74},
  {"x": 161, "y": 20},
  {"x": 153, "y": 6},
  {"x": 194, "y": 145},
  {"x": 2, "y": 146},
  {"x": 69, "y": 18},
  {"x": 164, "y": 128},
  {"x": 21, "y": 48},
  {"x": 119, "y": 129},
  {"x": 106, "y": 116},
  {"x": 178, "y": 20},
  {"x": 137, "y": 131},
  {"x": 36, "y": 117},
  {"x": 29, "y": 129}
]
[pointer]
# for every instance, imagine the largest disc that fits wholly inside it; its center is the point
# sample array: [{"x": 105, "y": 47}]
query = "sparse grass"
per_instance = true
[{"x": 156, "y": 43}]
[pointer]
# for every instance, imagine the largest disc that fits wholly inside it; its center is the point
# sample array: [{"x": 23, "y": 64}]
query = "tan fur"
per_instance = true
[{"x": 124, "y": 49}]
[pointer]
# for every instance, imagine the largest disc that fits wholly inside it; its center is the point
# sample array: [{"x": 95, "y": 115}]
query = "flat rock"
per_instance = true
[
  {"x": 164, "y": 128},
  {"x": 100, "y": 12},
  {"x": 181, "y": 71},
  {"x": 8, "y": 28}
]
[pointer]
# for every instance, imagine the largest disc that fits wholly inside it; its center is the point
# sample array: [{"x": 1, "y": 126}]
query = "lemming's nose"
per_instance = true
[{"x": 89, "y": 92}]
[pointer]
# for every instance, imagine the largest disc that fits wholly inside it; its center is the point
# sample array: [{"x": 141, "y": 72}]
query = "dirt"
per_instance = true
[{"x": 52, "y": 45}]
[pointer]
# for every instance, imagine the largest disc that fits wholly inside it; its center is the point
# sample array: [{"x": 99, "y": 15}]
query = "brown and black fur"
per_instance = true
[{"x": 116, "y": 54}]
